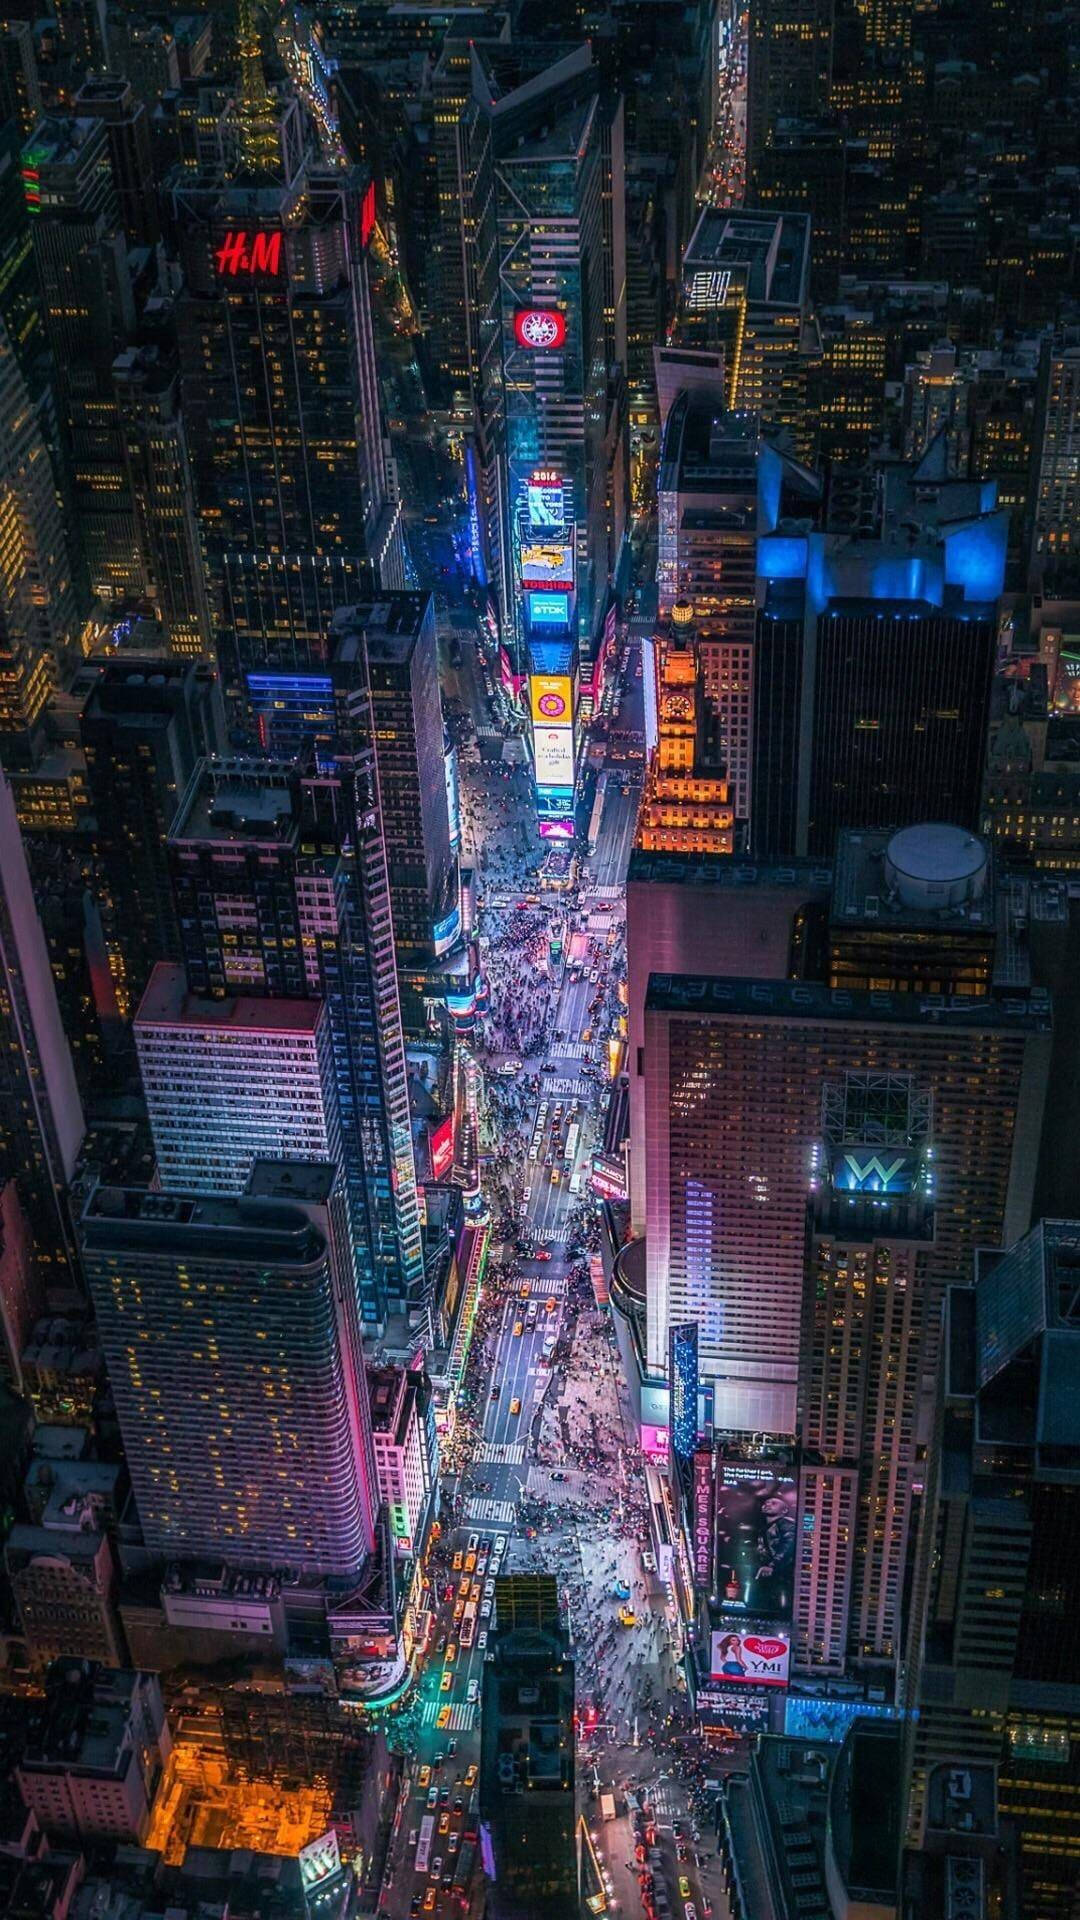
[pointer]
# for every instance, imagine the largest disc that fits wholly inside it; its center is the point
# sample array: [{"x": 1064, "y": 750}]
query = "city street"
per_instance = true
[{"x": 543, "y": 1472}]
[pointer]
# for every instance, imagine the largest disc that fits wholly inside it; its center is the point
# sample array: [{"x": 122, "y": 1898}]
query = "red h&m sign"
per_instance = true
[{"x": 242, "y": 252}]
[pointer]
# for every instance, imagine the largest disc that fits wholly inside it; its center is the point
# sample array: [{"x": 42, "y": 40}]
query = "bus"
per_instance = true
[
  {"x": 464, "y": 1874},
  {"x": 423, "y": 1845},
  {"x": 468, "y": 1624},
  {"x": 573, "y": 1135}
]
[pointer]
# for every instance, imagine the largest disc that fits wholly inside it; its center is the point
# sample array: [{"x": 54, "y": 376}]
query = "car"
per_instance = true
[
  {"x": 459, "y": 1608},
  {"x": 555, "y": 1176},
  {"x": 438, "y": 1760},
  {"x": 481, "y": 1640},
  {"x": 526, "y": 1195},
  {"x": 451, "y": 1653},
  {"x": 586, "y": 1036},
  {"x": 485, "y": 1610},
  {"x": 443, "y": 1720},
  {"x": 459, "y": 1804},
  {"x": 620, "y": 1591},
  {"x": 423, "y": 1779},
  {"x": 706, "y": 1906},
  {"x": 455, "y": 1842},
  {"x": 627, "y": 1617},
  {"x": 543, "y": 1253},
  {"x": 458, "y": 1558},
  {"x": 550, "y": 1306},
  {"x": 474, "y": 1542},
  {"x": 433, "y": 1797},
  {"x": 515, "y": 1405},
  {"x": 648, "y": 1562},
  {"x": 689, "y": 1911},
  {"x": 525, "y": 1289},
  {"x": 518, "y": 1329},
  {"x": 684, "y": 1886},
  {"x": 436, "y": 1866},
  {"x": 470, "y": 1775},
  {"x": 429, "y": 1899},
  {"x": 444, "y": 1796},
  {"x": 682, "y": 1852},
  {"x": 510, "y": 1066},
  {"x": 444, "y": 1823},
  {"x": 495, "y": 1391},
  {"x": 414, "y": 1904},
  {"x": 470, "y": 1563},
  {"x": 472, "y": 1692},
  {"x": 446, "y": 1683}
]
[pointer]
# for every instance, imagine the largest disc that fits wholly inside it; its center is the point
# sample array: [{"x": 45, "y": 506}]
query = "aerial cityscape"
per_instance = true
[{"x": 540, "y": 960}]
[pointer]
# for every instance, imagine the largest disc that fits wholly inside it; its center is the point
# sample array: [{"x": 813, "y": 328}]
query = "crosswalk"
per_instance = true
[
  {"x": 566, "y": 1050},
  {"x": 547, "y": 1236},
  {"x": 553, "y": 1288},
  {"x": 563, "y": 1088},
  {"x": 501, "y": 1511},
  {"x": 601, "y": 893},
  {"x": 462, "y": 1715},
  {"x": 501, "y": 1453}
]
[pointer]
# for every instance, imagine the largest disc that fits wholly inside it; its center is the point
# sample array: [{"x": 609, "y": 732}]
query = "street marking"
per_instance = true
[
  {"x": 462, "y": 1715},
  {"x": 547, "y": 1236},
  {"x": 566, "y": 1050},
  {"x": 577, "y": 1089},
  {"x": 501, "y": 1453},
  {"x": 498, "y": 1510}
]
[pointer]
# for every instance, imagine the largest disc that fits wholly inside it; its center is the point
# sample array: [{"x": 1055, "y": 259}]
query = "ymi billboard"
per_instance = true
[{"x": 758, "y": 1657}]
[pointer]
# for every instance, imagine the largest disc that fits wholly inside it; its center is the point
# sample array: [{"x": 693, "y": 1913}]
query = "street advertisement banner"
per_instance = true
[
  {"x": 554, "y": 753},
  {"x": 545, "y": 500},
  {"x": 755, "y": 1539},
  {"x": 552, "y": 697},
  {"x": 757, "y": 1656},
  {"x": 546, "y": 564}
]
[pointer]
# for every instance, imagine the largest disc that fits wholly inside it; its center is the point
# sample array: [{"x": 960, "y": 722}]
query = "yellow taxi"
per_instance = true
[
  {"x": 451, "y": 1653},
  {"x": 444, "y": 1823},
  {"x": 627, "y": 1617},
  {"x": 525, "y": 1289},
  {"x": 459, "y": 1608},
  {"x": 458, "y": 1558},
  {"x": 684, "y": 1884},
  {"x": 470, "y": 1776},
  {"x": 446, "y": 1683},
  {"x": 423, "y": 1778},
  {"x": 443, "y": 1720},
  {"x": 517, "y": 1329},
  {"x": 429, "y": 1899},
  {"x": 515, "y": 1405},
  {"x": 470, "y": 1563}
]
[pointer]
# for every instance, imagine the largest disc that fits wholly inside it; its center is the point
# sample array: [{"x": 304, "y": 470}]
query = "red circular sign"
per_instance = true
[{"x": 539, "y": 328}]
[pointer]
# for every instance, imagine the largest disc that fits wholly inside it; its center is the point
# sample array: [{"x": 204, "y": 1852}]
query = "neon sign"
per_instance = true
[
  {"x": 859, "y": 1173},
  {"x": 539, "y": 328},
  {"x": 242, "y": 252}
]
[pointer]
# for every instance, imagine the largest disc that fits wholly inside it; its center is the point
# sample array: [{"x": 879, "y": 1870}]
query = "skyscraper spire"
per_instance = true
[{"x": 259, "y": 145}]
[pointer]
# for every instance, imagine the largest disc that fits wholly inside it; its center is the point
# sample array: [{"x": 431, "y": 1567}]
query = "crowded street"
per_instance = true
[{"x": 543, "y": 1470}]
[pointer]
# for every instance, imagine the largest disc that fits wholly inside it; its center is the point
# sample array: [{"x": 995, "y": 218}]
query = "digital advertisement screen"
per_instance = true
[
  {"x": 736, "y": 1709},
  {"x": 545, "y": 504},
  {"x": 539, "y": 329},
  {"x": 553, "y": 748},
  {"x": 548, "y": 609},
  {"x": 756, "y": 1657},
  {"x": 562, "y": 829},
  {"x": 544, "y": 562},
  {"x": 755, "y": 1541},
  {"x": 552, "y": 696},
  {"x": 442, "y": 1149}
]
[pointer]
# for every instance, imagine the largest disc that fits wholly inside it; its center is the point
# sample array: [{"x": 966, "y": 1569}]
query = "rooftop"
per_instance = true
[
  {"x": 167, "y": 1002},
  {"x": 390, "y": 626},
  {"x": 726, "y": 870},
  {"x": 237, "y": 802},
  {"x": 704, "y": 997},
  {"x": 772, "y": 248}
]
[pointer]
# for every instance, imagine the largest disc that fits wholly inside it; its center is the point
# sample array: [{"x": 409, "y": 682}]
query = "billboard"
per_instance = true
[
  {"x": 702, "y": 1517},
  {"x": 547, "y": 563},
  {"x": 553, "y": 748},
  {"x": 548, "y": 609},
  {"x": 557, "y": 829},
  {"x": 552, "y": 696},
  {"x": 757, "y": 1656},
  {"x": 319, "y": 1860},
  {"x": 442, "y": 1149},
  {"x": 539, "y": 329},
  {"x": 888, "y": 1171},
  {"x": 733, "y": 1709},
  {"x": 755, "y": 1540},
  {"x": 683, "y": 1375},
  {"x": 545, "y": 500}
]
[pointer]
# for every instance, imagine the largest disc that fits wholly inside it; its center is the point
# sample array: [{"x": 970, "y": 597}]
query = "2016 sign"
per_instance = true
[
  {"x": 539, "y": 329},
  {"x": 242, "y": 252}
]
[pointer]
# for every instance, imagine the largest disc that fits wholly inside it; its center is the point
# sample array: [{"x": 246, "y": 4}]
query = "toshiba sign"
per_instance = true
[{"x": 539, "y": 328}]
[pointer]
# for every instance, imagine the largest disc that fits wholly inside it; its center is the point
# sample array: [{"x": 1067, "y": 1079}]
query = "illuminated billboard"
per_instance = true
[
  {"x": 553, "y": 750},
  {"x": 755, "y": 1541},
  {"x": 757, "y": 1657},
  {"x": 547, "y": 563},
  {"x": 548, "y": 609},
  {"x": 858, "y": 1170},
  {"x": 241, "y": 251},
  {"x": 552, "y": 696},
  {"x": 539, "y": 329},
  {"x": 557, "y": 829},
  {"x": 319, "y": 1860},
  {"x": 545, "y": 500},
  {"x": 735, "y": 1710},
  {"x": 442, "y": 1149}
]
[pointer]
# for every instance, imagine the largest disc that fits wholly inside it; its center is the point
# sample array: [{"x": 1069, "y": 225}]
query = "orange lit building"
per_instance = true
[{"x": 686, "y": 806}]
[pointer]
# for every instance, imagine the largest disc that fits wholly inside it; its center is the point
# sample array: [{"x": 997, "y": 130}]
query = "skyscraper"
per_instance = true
[
  {"x": 788, "y": 70},
  {"x": 685, "y": 803},
  {"x": 37, "y": 590},
  {"x": 231, "y": 1081},
  {"x": 41, "y": 1117},
  {"x": 159, "y": 476},
  {"x": 145, "y": 727},
  {"x": 734, "y": 1072},
  {"x": 267, "y": 900},
  {"x": 996, "y": 1675},
  {"x": 233, "y": 1351}
]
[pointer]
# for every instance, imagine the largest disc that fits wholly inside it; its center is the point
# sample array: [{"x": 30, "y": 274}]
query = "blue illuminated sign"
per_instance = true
[
  {"x": 683, "y": 1374},
  {"x": 549, "y": 609}
]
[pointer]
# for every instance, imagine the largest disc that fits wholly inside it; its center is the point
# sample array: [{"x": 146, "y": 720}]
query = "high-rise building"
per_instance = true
[
  {"x": 544, "y": 164},
  {"x": 232, "y": 1341},
  {"x": 996, "y": 1676},
  {"x": 1055, "y": 504},
  {"x": 685, "y": 804},
  {"x": 735, "y": 1071},
  {"x": 232, "y": 1081},
  {"x": 159, "y": 476},
  {"x": 870, "y": 1306},
  {"x": 527, "y": 1754},
  {"x": 109, "y": 98},
  {"x": 746, "y": 289},
  {"x": 41, "y": 1116},
  {"x": 789, "y": 68},
  {"x": 89, "y": 314},
  {"x": 280, "y": 403},
  {"x": 268, "y": 903},
  {"x": 145, "y": 726},
  {"x": 37, "y": 593}
]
